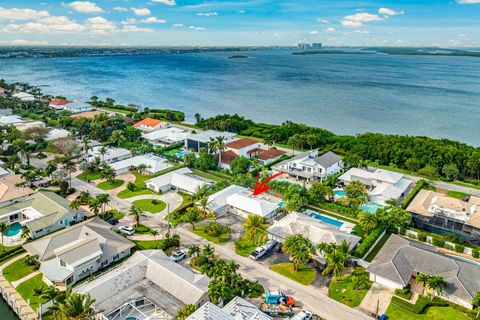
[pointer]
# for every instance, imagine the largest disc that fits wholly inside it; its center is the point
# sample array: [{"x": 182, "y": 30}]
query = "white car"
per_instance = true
[
  {"x": 129, "y": 231},
  {"x": 177, "y": 256},
  {"x": 303, "y": 315},
  {"x": 258, "y": 253}
]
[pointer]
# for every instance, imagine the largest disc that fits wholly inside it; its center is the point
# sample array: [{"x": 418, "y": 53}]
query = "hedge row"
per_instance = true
[
  {"x": 419, "y": 186},
  {"x": 368, "y": 242},
  {"x": 268, "y": 166},
  {"x": 420, "y": 306},
  {"x": 335, "y": 207},
  {"x": 13, "y": 252}
]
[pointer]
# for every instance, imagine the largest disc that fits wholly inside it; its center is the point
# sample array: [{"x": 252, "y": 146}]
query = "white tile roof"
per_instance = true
[
  {"x": 24, "y": 96},
  {"x": 154, "y": 163},
  {"x": 111, "y": 153},
  {"x": 162, "y": 133},
  {"x": 10, "y": 119},
  {"x": 219, "y": 199},
  {"x": 57, "y": 134},
  {"x": 205, "y": 136},
  {"x": 180, "y": 179},
  {"x": 236, "y": 309}
]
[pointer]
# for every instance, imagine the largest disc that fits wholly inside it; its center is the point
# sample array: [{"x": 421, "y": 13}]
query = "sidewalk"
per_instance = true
[{"x": 28, "y": 276}]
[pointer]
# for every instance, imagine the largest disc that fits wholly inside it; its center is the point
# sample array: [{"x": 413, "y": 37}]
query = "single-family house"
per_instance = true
[
  {"x": 242, "y": 202},
  {"x": 383, "y": 185},
  {"x": 166, "y": 137},
  {"x": 196, "y": 141},
  {"x": 241, "y": 146},
  {"x": 153, "y": 164},
  {"x": 10, "y": 120},
  {"x": 6, "y": 112},
  {"x": 182, "y": 179},
  {"x": 41, "y": 213},
  {"x": 401, "y": 260},
  {"x": 86, "y": 114},
  {"x": 12, "y": 190},
  {"x": 248, "y": 148},
  {"x": 150, "y": 124},
  {"x": 72, "y": 106},
  {"x": 72, "y": 254},
  {"x": 24, "y": 96},
  {"x": 57, "y": 133},
  {"x": 236, "y": 309},
  {"x": 310, "y": 166},
  {"x": 23, "y": 126},
  {"x": 316, "y": 230},
  {"x": 148, "y": 285},
  {"x": 439, "y": 211},
  {"x": 109, "y": 155}
]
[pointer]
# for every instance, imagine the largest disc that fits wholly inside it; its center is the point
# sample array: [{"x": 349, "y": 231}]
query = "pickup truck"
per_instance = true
[{"x": 261, "y": 251}]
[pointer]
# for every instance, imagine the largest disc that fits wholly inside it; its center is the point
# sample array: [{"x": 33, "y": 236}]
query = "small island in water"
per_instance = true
[{"x": 237, "y": 56}]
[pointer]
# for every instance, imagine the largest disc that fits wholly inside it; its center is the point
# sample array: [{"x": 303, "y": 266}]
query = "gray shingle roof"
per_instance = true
[
  {"x": 327, "y": 159},
  {"x": 400, "y": 259}
]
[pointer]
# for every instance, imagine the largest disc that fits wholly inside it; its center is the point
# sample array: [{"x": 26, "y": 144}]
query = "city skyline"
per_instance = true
[{"x": 241, "y": 23}]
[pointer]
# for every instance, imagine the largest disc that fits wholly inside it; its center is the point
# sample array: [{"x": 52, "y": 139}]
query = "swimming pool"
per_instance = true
[
  {"x": 13, "y": 229},
  {"x": 321, "y": 217},
  {"x": 340, "y": 193},
  {"x": 371, "y": 207},
  {"x": 181, "y": 153},
  {"x": 281, "y": 204}
]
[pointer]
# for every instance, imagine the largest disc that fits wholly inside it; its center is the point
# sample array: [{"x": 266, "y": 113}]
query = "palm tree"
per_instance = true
[
  {"x": 368, "y": 221},
  {"x": 220, "y": 145},
  {"x": 423, "y": 279},
  {"x": 203, "y": 203},
  {"x": 84, "y": 197},
  {"x": 51, "y": 293},
  {"x": 12, "y": 161},
  {"x": 268, "y": 140},
  {"x": 198, "y": 118},
  {"x": 208, "y": 250},
  {"x": 39, "y": 292},
  {"x": 86, "y": 146},
  {"x": 200, "y": 192},
  {"x": 193, "y": 216},
  {"x": 253, "y": 224},
  {"x": 212, "y": 145},
  {"x": 137, "y": 214},
  {"x": 103, "y": 199},
  {"x": 117, "y": 137},
  {"x": 436, "y": 284},
  {"x": 359, "y": 282},
  {"x": 103, "y": 151},
  {"x": 185, "y": 312},
  {"x": 94, "y": 206},
  {"x": 75, "y": 205},
  {"x": 3, "y": 229},
  {"x": 107, "y": 173},
  {"x": 25, "y": 233},
  {"x": 194, "y": 250},
  {"x": 476, "y": 303},
  {"x": 70, "y": 167},
  {"x": 299, "y": 249},
  {"x": 78, "y": 307}
]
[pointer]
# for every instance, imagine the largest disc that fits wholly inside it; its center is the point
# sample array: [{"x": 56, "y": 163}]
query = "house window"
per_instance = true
[{"x": 62, "y": 263}]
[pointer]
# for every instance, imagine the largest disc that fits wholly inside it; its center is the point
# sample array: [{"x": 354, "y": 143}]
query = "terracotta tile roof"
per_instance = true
[
  {"x": 254, "y": 150},
  {"x": 60, "y": 102},
  {"x": 241, "y": 143},
  {"x": 149, "y": 122},
  {"x": 270, "y": 154},
  {"x": 88, "y": 114},
  {"x": 228, "y": 156}
]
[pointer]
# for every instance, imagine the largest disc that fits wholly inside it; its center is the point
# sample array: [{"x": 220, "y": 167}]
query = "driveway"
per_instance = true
[{"x": 377, "y": 297}]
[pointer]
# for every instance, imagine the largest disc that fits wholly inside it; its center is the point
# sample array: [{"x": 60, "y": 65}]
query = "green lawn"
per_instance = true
[
  {"x": 85, "y": 176},
  {"x": 464, "y": 184},
  {"x": 147, "y": 245},
  {"x": 457, "y": 194},
  {"x": 202, "y": 232},
  {"x": 17, "y": 270},
  {"x": 124, "y": 112},
  {"x": 377, "y": 248},
  {"x": 105, "y": 185},
  {"x": 25, "y": 289},
  {"x": 245, "y": 245},
  {"x": 125, "y": 194},
  {"x": 396, "y": 312},
  {"x": 142, "y": 229},
  {"x": 207, "y": 175},
  {"x": 342, "y": 289},
  {"x": 305, "y": 275},
  {"x": 149, "y": 206}
]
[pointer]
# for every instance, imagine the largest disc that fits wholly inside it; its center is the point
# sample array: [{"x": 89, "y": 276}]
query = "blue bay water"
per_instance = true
[{"x": 347, "y": 94}]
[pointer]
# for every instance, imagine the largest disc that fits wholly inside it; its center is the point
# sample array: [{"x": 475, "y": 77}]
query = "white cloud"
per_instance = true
[
  {"x": 167, "y": 2},
  {"x": 331, "y": 29},
  {"x": 22, "y": 42},
  {"x": 120, "y": 9},
  {"x": 323, "y": 21},
  {"x": 100, "y": 26},
  {"x": 133, "y": 28},
  {"x": 51, "y": 24},
  {"x": 357, "y": 20},
  {"x": 178, "y": 25},
  {"x": 197, "y": 28},
  {"x": 141, "y": 11},
  {"x": 153, "y": 20},
  {"x": 360, "y": 31},
  {"x": 313, "y": 32},
  {"x": 21, "y": 14},
  {"x": 84, "y": 6},
  {"x": 468, "y": 1},
  {"x": 207, "y": 14},
  {"x": 241, "y": 11},
  {"x": 129, "y": 21},
  {"x": 389, "y": 12}
]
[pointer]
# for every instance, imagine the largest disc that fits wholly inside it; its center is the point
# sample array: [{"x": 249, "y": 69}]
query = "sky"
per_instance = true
[{"x": 441, "y": 23}]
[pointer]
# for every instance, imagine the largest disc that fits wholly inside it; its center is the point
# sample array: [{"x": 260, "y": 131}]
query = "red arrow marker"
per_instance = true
[{"x": 260, "y": 188}]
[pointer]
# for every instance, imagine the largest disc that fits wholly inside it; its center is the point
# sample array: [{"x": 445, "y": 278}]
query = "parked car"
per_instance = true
[
  {"x": 278, "y": 248},
  {"x": 44, "y": 184},
  {"x": 37, "y": 178},
  {"x": 129, "y": 231},
  {"x": 112, "y": 221},
  {"x": 270, "y": 244},
  {"x": 258, "y": 253},
  {"x": 303, "y": 315},
  {"x": 177, "y": 256}
]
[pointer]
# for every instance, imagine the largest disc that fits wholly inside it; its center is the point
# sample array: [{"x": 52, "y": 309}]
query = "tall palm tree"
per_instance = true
[
  {"x": 423, "y": 279},
  {"x": 137, "y": 214},
  {"x": 194, "y": 250},
  {"x": 70, "y": 167},
  {"x": 154, "y": 233},
  {"x": 107, "y": 173},
  {"x": 193, "y": 216},
  {"x": 78, "y": 307},
  {"x": 86, "y": 146},
  {"x": 84, "y": 197},
  {"x": 436, "y": 284},
  {"x": 268, "y": 140},
  {"x": 336, "y": 260},
  {"x": 198, "y": 118},
  {"x": 103, "y": 151},
  {"x": 368, "y": 221},
  {"x": 212, "y": 145},
  {"x": 3, "y": 229},
  {"x": 117, "y": 138},
  {"x": 94, "y": 206},
  {"x": 299, "y": 249},
  {"x": 39, "y": 292},
  {"x": 220, "y": 145},
  {"x": 75, "y": 205},
  {"x": 253, "y": 224},
  {"x": 12, "y": 161},
  {"x": 185, "y": 312},
  {"x": 208, "y": 250},
  {"x": 200, "y": 192},
  {"x": 203, "y": 203},
  {"x": 50, "y": 294},
  {"x": 103, "y": 199}
]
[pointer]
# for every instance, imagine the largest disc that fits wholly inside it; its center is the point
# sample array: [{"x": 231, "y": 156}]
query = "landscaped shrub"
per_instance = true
[
  {"x": 335, "y": 207},
  {"x": 419, "y": 186},
  {"x": 422, "y": 236},
  {"x": 404, "y": 293},
  {"x": 403, "y": 231},
  {"x": 421, "y": 304},
  {"x": 8, "y": 254},
  {"x": 438, "y": 241},
  {"x": 451, "y": 238},
  {"x": 449, "y": 246},
  {"x": 475, "y": 253},
  {"x": 368, "y": 242},
  {"x": 155, "y": 202},
  {"x": 459, "y": 248}
]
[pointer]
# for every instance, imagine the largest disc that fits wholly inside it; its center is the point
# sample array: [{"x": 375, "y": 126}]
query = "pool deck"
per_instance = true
[{"x": 345, "y": 227}]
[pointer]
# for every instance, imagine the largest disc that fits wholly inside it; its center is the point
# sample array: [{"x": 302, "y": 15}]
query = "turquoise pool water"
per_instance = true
[
  {"x": 321, "y": 217},
  {"x": 340, "y": 193},
  {"x": 13, "y": 229},
  {"x": 131, "y": 318},
  {"x": 181, "y": 153},
  {"x": 371, "y": 207},
  {"x": 281, "y": 204}
]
